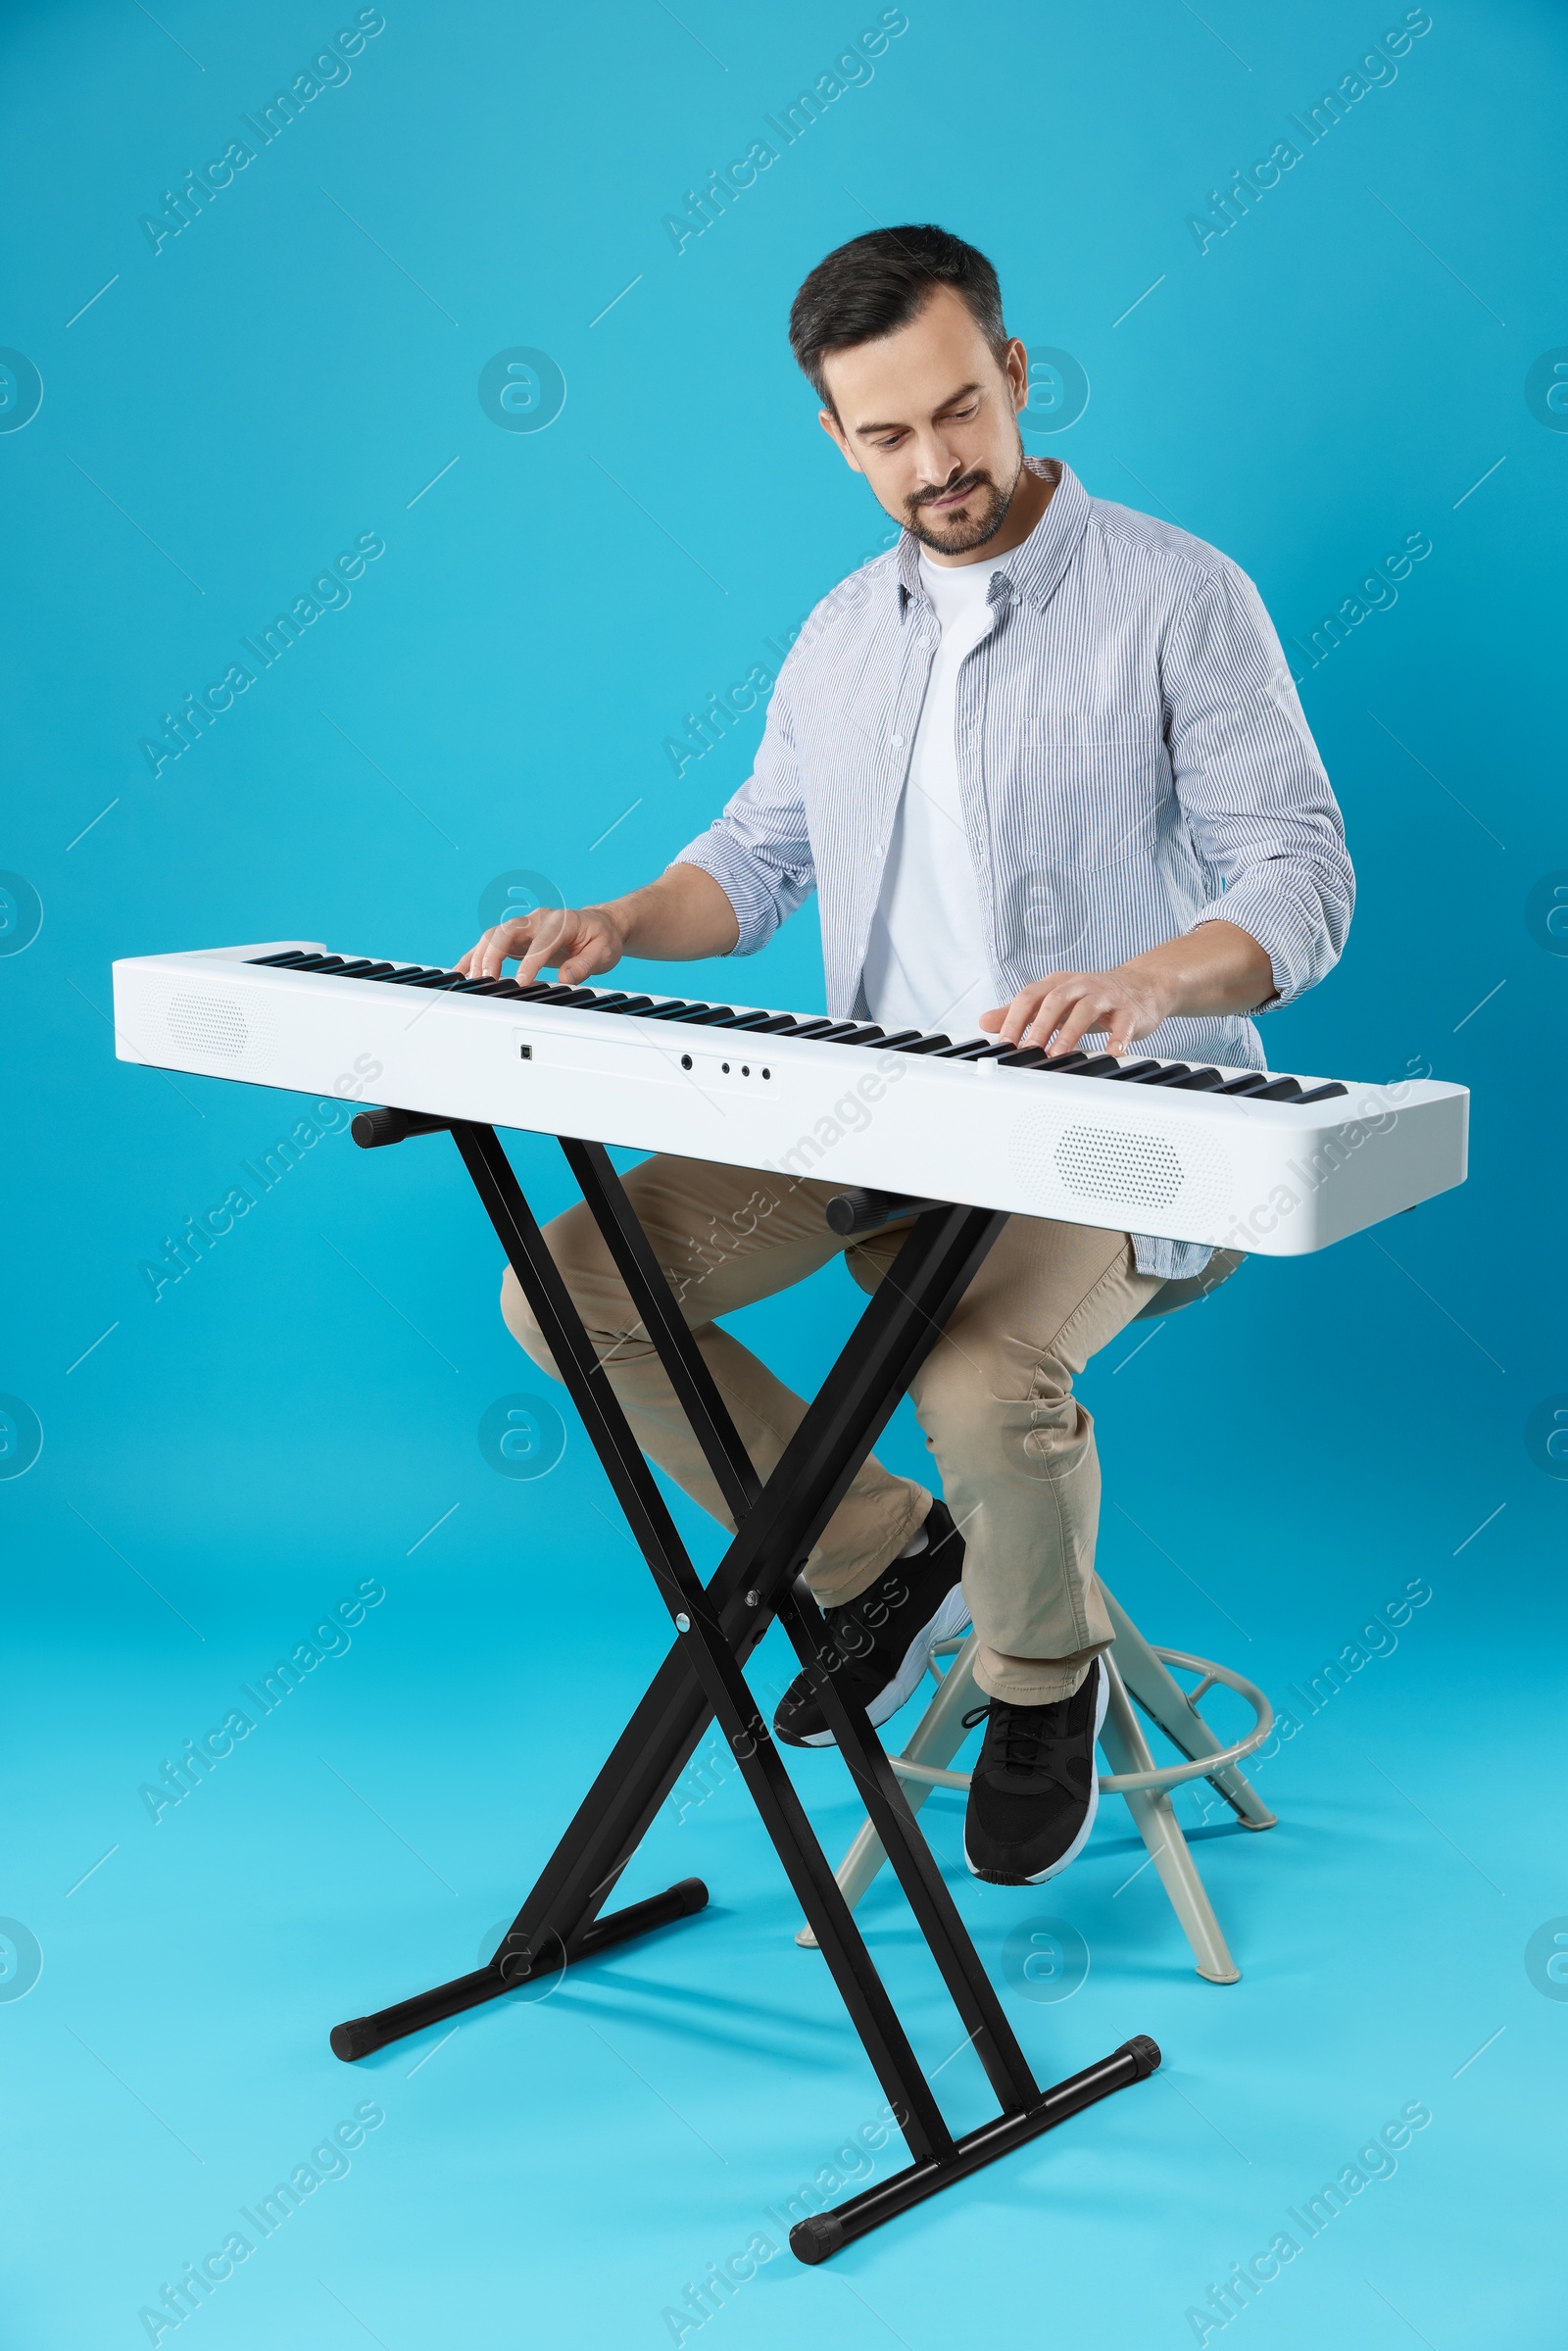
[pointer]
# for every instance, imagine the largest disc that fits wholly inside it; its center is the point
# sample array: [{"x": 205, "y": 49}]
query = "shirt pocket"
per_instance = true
[{"x": 1081, "y": 797}]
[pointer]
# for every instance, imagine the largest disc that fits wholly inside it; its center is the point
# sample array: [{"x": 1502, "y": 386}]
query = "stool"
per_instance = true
[{"x": 1140, "y": 1671}]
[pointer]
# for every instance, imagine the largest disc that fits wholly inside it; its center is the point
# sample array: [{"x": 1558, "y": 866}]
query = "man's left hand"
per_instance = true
[
  {"x": 1215, "y": 968},
  {"x": 1058, "y": 1011}
]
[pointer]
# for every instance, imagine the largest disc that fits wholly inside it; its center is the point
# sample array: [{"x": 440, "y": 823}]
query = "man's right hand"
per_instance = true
[{"x": 577, "y": 942}]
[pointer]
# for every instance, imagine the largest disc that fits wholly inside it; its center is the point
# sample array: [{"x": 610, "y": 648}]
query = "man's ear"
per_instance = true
[
  {"x": 1016, "y": 367},
  {"x": 835, "y": 433}
]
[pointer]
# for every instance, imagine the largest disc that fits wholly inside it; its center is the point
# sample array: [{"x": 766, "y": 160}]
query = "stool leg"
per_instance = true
[
  {"x": 1127, "y": 1750},
  {"x": 1163, "y": 1696},
  {"x": 937, "y": 1739}
]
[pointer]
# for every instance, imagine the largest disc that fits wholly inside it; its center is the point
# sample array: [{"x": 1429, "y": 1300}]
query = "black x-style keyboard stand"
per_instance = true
[{"x": 717, "y": 1629}]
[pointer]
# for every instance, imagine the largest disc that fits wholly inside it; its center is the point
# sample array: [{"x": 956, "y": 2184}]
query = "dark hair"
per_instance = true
[{"x": 875, "y": 284}]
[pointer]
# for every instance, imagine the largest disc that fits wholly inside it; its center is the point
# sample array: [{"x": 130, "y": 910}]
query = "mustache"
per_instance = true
[{"x": 966, "y": 481}]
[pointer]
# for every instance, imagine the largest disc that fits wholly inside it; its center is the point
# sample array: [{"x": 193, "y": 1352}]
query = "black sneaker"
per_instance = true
[
  {"x": 884, "y": 1638},
  {"x": 1034, "y": 1793}
]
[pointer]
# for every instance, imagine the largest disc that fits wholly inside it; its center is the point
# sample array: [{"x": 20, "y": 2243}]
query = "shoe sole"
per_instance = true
[
  {"x": 951, "y": 1618},
  {"x": 1040, "y": 1878}
]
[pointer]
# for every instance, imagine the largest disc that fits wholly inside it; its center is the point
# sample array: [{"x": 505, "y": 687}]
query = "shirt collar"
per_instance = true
[{"x": 1035, "y": 568}]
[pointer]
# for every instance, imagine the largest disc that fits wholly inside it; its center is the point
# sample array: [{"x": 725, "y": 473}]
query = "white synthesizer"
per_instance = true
[{"x": 1236, "y": 1159}]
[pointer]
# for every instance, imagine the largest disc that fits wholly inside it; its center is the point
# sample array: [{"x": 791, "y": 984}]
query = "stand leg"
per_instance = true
[
  {"x": 1163, "y": 1700},
  {"x": 937, "y": 1739},
  {"x": 826, "y": 2233},
  {"x": 1151, "y": 1809},
  {"x": 924, "y": 1887}
]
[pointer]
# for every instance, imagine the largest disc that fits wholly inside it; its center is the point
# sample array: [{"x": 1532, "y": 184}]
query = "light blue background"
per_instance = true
[{"x": 301, "y": 1410}]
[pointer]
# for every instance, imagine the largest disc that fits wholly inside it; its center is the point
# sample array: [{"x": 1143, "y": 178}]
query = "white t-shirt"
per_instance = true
[{"x": 926, "y": 965}]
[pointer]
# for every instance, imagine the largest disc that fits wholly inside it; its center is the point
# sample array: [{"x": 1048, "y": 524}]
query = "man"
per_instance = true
[{"x": 1043, "y": 765}]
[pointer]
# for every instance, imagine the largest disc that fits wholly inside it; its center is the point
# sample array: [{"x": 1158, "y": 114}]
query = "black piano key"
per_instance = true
[
  {"x": 289, "y": 954},
  {"x": 884, "y": 1043},
  {"x": 1280, "y": 1090},
  {"x": 357, "y": 968},
  {"x": 627, "y": 1003},
  {"x": 1135, "y": 1073},
  {"x": 1068, "y": 1065},
  {"x": 817, "y": 1027},
  {"x": 316, "y": 963},
  {"x": 1251, "y": 1082},
  {"x": 1099, "y": 1065},
  {"x": 979, "y": 1049},
  {"x": 1202, "y": 1081},
  {"x": 778, "y": 1024},
  {"x": 1165, "y": 1074},
  {"x": 416, "y": 974},
  {"x": 677, "y": 1011},
  {"x": 708, "y": 1018},
  {"x": 473, "y": 987},
  {"x": 1323, "y": 1093},
  {"x": 925, "y": 1045},
  {"x": 369, "y": 972},
  {"x": 440, "y": 979},
  {"x": 488, "y": 987},
  {"x": 1023, "y": 1057},
  {"x": 741, "y": 1020},
  {"x": 835, "y": 1032}
]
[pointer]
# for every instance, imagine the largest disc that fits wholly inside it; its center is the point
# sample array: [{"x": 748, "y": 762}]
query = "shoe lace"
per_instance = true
[{"x": 1029, "y": 1736}]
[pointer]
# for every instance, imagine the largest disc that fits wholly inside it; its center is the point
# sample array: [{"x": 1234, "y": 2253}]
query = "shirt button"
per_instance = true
[{"x": 898, "y": 742}]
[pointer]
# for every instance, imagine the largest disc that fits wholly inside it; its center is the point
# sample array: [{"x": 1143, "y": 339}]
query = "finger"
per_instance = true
[
  {"x": 502, "y": 944},
  {"x": 1076, "y": 1019},
  {"x": 1129, "y": 1025},
  {"x": 484, "y": 961},
  {"x": 992, "y": 1020},
  {"x": 596, "y": 948},
  {"x": 545, "y": 930},
  {"x": 1048, "y": 1010},
  {"x": 473, "y": 962},
  {"x": 1017, "y": 1015},
  {"x": 1042, "y": 1002},
  {"x": 580, "y": 964}
]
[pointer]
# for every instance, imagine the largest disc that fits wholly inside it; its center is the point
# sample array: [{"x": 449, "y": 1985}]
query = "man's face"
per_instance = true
[{"x": 929, "y": 417}]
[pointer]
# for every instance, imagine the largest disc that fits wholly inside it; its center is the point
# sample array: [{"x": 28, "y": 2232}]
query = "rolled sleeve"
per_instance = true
[
  {"x": 759, "y": 849},
  {"x": 1258, "y": 801}
]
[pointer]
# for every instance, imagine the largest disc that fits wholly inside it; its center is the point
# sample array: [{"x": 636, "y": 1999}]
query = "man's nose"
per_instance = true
[{"x": 940, "y": 468}]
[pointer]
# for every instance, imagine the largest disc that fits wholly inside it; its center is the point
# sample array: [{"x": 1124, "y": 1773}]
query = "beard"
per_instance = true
[{"x": 966, "y": 528}]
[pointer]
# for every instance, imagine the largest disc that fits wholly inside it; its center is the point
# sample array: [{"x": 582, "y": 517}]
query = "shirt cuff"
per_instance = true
[
  {"x": 756, "y": 912},
  {"x": 1273, "y": 917}
]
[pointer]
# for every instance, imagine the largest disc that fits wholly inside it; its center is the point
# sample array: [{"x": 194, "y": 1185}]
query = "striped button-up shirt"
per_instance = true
[{"x": 1133, "y": 761}]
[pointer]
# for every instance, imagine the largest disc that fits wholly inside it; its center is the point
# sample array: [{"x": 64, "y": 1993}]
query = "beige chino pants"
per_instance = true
[{"x": 1014, "y": 1447}]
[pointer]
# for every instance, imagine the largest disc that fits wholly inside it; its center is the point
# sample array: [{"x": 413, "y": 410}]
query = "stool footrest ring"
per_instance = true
[{"x": 1168, "y": 1775}]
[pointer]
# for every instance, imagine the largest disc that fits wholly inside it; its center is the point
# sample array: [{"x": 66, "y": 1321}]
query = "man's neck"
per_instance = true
[{"x": 1029, "y": 501}]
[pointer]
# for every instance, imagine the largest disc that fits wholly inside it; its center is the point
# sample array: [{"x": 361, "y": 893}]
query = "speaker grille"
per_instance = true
[
  {"x": 1130, "y": 1171},
  {"x": 210, "y": 1026},
  {"x": 1107, "y": 1163}
]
